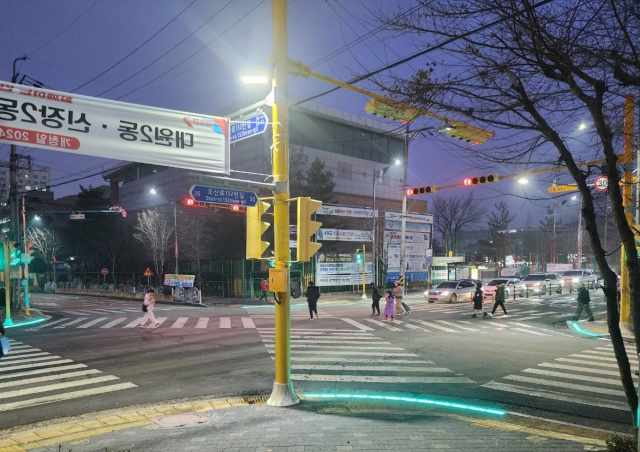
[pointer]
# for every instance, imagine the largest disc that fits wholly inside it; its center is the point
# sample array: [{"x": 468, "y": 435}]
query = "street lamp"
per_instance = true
[{"x": 153, "y": 191}]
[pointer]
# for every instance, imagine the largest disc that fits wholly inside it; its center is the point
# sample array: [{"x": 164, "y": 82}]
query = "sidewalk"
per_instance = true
[
  {"x": 315, "y": 424},
  {"x": 20, "y": 321}
]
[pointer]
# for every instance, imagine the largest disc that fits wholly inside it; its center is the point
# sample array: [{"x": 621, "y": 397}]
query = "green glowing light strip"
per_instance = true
[
  {"x": 461, "y": 406},
  {"x": 30, "y": 322},
  {"x": 574, "y": 326}
]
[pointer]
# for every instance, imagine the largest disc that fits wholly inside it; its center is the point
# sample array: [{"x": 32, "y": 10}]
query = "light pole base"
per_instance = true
[
  {"x": 283, "y": 395},
  {"x": 364, "y": 296}
]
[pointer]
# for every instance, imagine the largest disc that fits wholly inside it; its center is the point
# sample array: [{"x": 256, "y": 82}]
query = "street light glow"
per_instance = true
[
  {"x": 582, "y": 126},
  {"x": 153, "y": 191},
  {"x": 255, "y": 79},
  {"x": 523, "y": 181},
  {"x": 398, "y": 161}
]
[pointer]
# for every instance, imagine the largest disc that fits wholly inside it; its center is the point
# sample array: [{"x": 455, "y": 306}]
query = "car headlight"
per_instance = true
[
  {"x": 426, "y": 294},
  {"x": 445, "y": 293},
  {"x": 575, "y": 280},
  {"x": 536, "y": 284}
]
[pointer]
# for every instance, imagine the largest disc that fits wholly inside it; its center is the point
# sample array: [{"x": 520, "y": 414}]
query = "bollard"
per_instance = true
[
  {"x": 570, "y": 288},
  {"x": 527, "y": 290}
]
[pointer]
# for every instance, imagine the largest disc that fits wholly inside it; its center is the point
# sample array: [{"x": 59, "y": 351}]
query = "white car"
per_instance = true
[
  {"x": 451, "y": 291},
  {"x": 572, "y": 278},
  {"x": 541, "y": 283},
  {"x": 512, "y": 285}
]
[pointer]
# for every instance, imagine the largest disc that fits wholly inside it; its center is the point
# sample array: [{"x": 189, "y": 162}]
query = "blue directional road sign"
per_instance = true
[
  {"x": 228, "y": 196},
  {"x": 251, "y": 126}
]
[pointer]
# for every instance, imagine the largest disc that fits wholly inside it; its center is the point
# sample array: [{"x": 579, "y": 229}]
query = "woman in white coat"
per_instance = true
[{"x": 149, "y": 302}]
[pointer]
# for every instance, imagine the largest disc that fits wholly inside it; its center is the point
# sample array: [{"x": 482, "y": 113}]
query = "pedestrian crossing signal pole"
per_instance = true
[
  {"x": 282, "y": 393},
  {"x": 7, "y": 284}
]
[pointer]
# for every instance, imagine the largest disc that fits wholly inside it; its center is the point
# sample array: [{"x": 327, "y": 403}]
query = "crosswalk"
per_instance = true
[
  {"x": 30, "y": 376},
  {"x": 129, "y": 322},
  {"x": 352, "y": 356},
  {"x": 590, "y": 377}
]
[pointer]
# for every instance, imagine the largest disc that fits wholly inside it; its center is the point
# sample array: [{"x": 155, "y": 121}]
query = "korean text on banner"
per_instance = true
[{"x": 85, "y": 125}]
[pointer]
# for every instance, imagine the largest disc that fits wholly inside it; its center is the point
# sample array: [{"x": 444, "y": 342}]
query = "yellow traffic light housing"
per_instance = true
[
  {"x": 468, "y": 133},
  {"x": 396, "y": 111},
  {"x": 306, "y": 228},
  {"x": 416, "y": 191},
  {"x": 255, "y": 228},
  {"x": 481, "y": 180}
]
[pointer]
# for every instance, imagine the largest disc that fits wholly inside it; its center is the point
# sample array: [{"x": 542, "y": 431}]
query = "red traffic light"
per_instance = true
[
  {"x": 468, "y": 181},
  {"x": 235, "y": 208},
  {"x": 188, "y": 202}
]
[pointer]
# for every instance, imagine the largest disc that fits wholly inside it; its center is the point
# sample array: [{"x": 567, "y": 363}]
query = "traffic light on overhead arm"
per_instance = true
[
  {"x": 359, "y": 257},
  {"x": 396, "y": 111},
  {"x": 415, "y": 191},
  {"x": 468, "y": 133},
  {"x": 480, "y": 180},
  {"x": 255, "y": 228},
  {"x": 306, "y": 228}
]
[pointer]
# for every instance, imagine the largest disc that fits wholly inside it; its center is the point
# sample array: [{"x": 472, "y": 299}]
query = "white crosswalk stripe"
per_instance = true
[
  {"x": 336, "y": 356},
  {"x": 589, "y": 377},
  {"x": 49, "y": 379}
]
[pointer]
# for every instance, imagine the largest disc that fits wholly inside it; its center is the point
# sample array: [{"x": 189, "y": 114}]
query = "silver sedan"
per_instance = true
[
  {"x": 512, "y": 285},
  {"x": 451, "y": 292}
]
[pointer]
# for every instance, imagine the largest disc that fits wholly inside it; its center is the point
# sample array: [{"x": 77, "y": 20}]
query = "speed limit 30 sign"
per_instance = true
[{"x": 601, "y": 183}]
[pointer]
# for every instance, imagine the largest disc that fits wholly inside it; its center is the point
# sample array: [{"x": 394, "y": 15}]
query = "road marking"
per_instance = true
[
  {"x": 588, "y": 363},
  {"x": 42, "y": 371},
  {"x": 29, "y": 360},
  {"x": 29, "y": 381},
  {"x": 554, "y": 395},
  {"x": 73, "y": 322},
  {"x": 380, "y": 379},
  {"x": 560, "y": 384},
  {"x": 549, "y": 373},
  {"x": 202, "y": 322},
  {"x": 49, "y": 324},
  {"x": 413, "y": 327},
  {"x": 76, "y": 312},
  {"x": 580, "y": 369},
  {"x": 327, "y": 341},
  {"x": 314, "y": 331},
  {"x": 247, "y": 322},
  {"x": 135, "y": 323},
  {"x": 358, "y": 325},
  {"x": 115, "y": 322},
  {"x": 384, "y": 325},
  {"x": 336, "y": 347},
  {"x": 65, "y": 396},
  {"x": 56, "y": 387},
  {"x": 350, "y": 352},
  {"x": 445, "y": 322},
  {"x": 341, "y": 336},
  {"x": 601, "y": 358},
  {"x": 15, "y": 356},
  {"x": 180, "y": 322},
  {"x": 340, "y": 367},
  {"x": 436, "y": 326},
  {"x": 360, "y": 360},
  {"x": 93, "y": 322},
  {"x": 526, "y": 330},
  {"x": 31, "y": 366},
  {"x": 225, "y": 322}
]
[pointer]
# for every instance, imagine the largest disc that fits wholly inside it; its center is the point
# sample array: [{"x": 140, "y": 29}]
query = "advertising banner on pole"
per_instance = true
[
  {"x": 179, "y": 280},
  {"x": 343, "y": 235},
  {"x": 342, "y": 280},
  {"x": 391, "y": 225},
  {"x": 413, "y": 217},
  {"x": 340, "y": 211},
  {"x": 67, "y": 122}
]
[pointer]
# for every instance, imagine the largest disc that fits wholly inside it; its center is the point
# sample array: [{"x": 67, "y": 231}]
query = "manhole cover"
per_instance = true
[{"x": 180, "y": 419}]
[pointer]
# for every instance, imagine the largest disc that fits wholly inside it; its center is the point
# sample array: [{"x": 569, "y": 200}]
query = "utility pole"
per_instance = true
[
  {"x": 627, "y": 202},
  {"x": 403, "y": 228},
  {"x": 13, "y": 189},
  {"x": 579, "y": 260},
  {"x": 282, "y": 393},
  {"x": 25, "y": 275},
  {"x": 175, "y": 235}
]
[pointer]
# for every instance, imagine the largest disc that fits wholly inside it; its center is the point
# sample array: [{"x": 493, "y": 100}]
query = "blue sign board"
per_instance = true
[
  {"x": 251, "y": 126},
  {"x": 408, "y": 276},
  {"x": 228, "y": 196}
]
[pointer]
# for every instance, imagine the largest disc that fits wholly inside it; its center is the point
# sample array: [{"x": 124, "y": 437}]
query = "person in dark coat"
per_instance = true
[
  {"x": 499, "y": 298},
  {"x": 375, "y": 296},
  {"x": 478, "y": 299},
  {"x": 1, "y": 335},
  {"x": 583, "y": 303},
  {"x": 312, "y": 294}
]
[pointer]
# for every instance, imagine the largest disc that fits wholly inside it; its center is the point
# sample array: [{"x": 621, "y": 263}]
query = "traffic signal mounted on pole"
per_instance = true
[
  {"x": 306, "y": 228},
  {"x": 359, "y": 256},
  {"x": 468, "y": 133},
  {"x": 422, "y": 190},
  {"x": 255, "y": 228},
  {"x": 480, "y": 180},
  {"x": 14, "y": 253},
  {"x": 396, "y": 111}
]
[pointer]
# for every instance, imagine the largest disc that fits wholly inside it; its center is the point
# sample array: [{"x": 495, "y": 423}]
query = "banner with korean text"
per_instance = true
[
  {"x": 85, "y": 125},
  {"x": 343, "y": 235}
]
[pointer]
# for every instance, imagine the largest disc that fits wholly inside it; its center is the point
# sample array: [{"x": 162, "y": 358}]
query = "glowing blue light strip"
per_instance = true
[
  {"x": 461, "y": 406},
  {"x": 574, "y": 326},
  {"x": 29, "y": 322}
]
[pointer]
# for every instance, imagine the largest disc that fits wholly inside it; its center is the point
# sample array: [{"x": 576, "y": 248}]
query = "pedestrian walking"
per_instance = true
[
  {"x": 390, "y": 308},
  {"x": 147, "y": 306},
  {"x": 397, "y": 294},
  {"x": 264, "y": 286},
  {"x": 478, "y": 300},
  {"x": 499, "y": 298},
  {"x": 375, "y": 296},
  {"x": 1, "y": 335},
  {"x": 583, "y": 303},
  {"x": 312, "y": 294}
]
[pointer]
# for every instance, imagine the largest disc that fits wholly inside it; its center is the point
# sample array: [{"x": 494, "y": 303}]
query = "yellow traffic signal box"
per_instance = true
[
  {"x": 306, "y": 228},
  {"x": 255, "y": 228}
]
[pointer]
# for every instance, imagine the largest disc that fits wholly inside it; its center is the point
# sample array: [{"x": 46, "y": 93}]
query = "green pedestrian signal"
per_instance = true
[
  {"x": 359, "y": 257},
  {"x": 14, "y": 253}
]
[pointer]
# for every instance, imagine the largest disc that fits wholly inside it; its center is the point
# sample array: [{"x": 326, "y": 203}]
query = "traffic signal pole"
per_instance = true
[
  {"x": 25, "y": 275},
  {"x": 627, "y": 203},
  {"x": 282, "y": 393},
  {"x": 403, "y": 227},
  {"x": 7, "y": 285}
]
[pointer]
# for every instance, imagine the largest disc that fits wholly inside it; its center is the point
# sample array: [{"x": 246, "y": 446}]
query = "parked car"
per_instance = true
[
  {"x": 451, "y": 291},
  {"x": 599, "y": 280},
  {"x": 512, "y": 285},
  {"x": 541, "y": 283},
  {"x": 572, "y": 278}
]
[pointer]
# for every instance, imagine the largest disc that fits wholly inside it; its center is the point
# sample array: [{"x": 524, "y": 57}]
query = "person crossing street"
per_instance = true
[
  {"x": 264, "y": 286},
  {"x": 583, "y": 303},
  {"x": 499, "y": 298}
]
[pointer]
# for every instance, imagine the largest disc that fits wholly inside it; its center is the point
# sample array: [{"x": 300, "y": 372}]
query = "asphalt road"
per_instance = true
[{"x": 92, "y": 356}]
